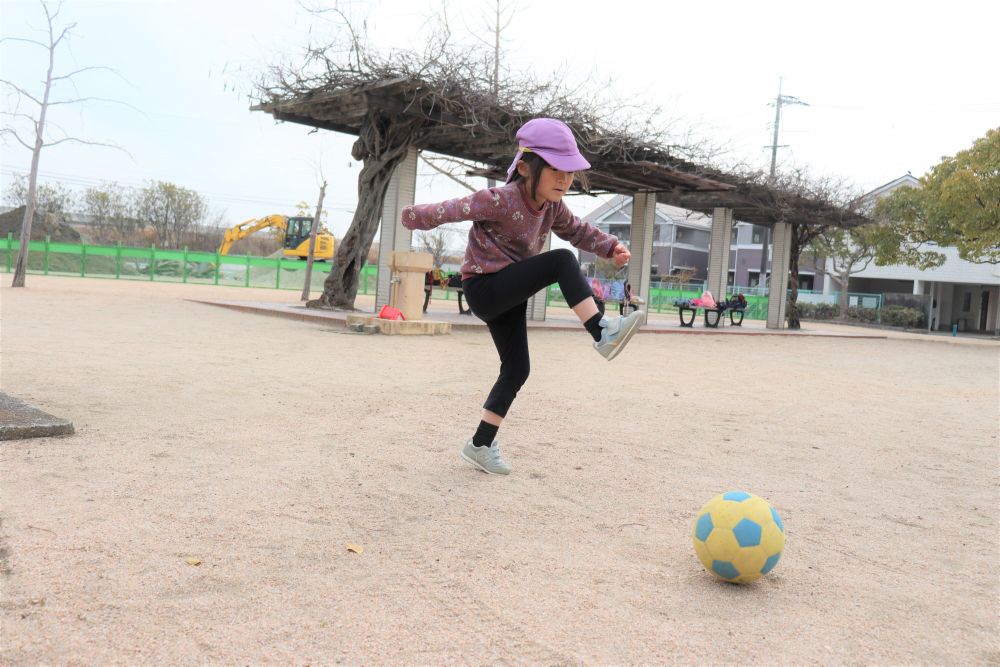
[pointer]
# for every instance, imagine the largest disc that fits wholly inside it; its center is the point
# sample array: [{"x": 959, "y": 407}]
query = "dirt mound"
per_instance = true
[{"x": 43, "y": 225}]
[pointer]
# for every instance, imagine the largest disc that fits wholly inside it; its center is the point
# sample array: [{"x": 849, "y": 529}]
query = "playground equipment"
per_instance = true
[{"x": 294, "y": 236}]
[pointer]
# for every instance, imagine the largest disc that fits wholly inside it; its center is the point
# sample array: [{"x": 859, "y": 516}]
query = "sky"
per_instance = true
[{"x": 891, "y": 87}]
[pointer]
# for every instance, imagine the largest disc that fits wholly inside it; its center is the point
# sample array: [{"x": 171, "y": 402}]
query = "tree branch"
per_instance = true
[
  {"x": 88, "y": 143},
  {"x": 92, "y": 99},
  {"x": 447, "y": 173},
  {"x": 17, "y": 115},
  {"x": 82, "y": 69},
  {"x": 21, "y": 91},
  {"x": 22, "y": 39},
  {"x": 7, "y": 130}
]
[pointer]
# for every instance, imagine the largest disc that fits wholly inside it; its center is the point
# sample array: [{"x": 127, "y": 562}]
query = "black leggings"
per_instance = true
[{"x": 501, "y": 300}]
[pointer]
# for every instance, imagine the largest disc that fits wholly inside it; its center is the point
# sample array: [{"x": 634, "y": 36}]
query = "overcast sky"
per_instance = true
[{"x": 891, "y": 86}]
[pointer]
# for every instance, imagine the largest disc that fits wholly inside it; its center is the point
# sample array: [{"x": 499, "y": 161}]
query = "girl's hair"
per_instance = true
[{"x": 535, "y": 166}]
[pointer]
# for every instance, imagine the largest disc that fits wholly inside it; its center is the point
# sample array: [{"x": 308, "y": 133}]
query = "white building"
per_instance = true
[
  {"x": 681, "y": 243},
  {"x": 961, "y": 293}
]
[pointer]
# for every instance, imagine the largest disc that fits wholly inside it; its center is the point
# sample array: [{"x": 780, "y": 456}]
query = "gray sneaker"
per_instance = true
[
  {"x": 487, "y": 459},
  {"x": 616, "y": 333}
]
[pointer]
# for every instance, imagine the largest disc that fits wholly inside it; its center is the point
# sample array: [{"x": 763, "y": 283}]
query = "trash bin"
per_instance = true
[{"x": 406, "y": 288}]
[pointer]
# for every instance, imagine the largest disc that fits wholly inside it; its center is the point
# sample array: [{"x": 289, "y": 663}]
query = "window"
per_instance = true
[
  {"x": 967, "y": 302},
  {"x": 733, "y": 235},
  {"x": 806, "y": 282},
  {"x": 758, "y": 235},
  {"x": 621, "y": 231},
  {"x": 661, "y": 233},
  {"x": 731, "y": 279},
  {"x": 695, "y": 237}
]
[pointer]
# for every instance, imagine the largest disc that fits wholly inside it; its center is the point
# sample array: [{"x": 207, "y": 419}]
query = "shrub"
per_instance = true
[
  {"x": 902, "y": 316},
  {"x": 862, "y": 314},
  {"x": 818, "y": 311}
]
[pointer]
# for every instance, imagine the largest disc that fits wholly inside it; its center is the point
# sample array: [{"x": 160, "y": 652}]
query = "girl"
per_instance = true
[{"x": 503, "y": 269}]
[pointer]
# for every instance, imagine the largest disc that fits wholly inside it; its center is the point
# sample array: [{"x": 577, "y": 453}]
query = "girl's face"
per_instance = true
[{"x": 553, "y": 184}]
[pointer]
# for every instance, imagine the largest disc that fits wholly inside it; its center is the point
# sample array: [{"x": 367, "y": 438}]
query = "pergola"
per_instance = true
[{"x": 620, "y": 165}]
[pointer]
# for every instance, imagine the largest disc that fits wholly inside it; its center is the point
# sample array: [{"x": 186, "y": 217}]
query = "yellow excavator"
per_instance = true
[{"x": 294, "y": 233}]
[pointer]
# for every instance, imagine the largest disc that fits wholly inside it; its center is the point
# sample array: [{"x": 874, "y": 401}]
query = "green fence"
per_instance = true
[
  {"x": 175, "y": 266},
  {"x": 209, "y": 268},
  {"x": 661, "y": 298}
]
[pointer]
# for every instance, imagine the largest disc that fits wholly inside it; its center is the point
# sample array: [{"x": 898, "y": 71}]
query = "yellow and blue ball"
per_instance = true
[{"x": 738, "y": 537}]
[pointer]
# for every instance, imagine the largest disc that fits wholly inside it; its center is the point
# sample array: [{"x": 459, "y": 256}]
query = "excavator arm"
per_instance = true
[{"x": 251, "y": 226}]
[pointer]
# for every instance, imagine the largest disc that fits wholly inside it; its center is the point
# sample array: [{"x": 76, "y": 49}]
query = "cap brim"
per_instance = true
[{"x": 564, "y": 162}]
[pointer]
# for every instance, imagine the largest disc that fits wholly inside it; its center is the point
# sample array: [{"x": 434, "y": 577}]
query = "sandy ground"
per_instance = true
[{"x": 262, "y": 447}]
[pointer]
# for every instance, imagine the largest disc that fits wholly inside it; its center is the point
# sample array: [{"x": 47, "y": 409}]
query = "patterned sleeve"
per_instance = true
[
  {"x": 581, "y": 235},
  {"x": 428, "y": 216}
]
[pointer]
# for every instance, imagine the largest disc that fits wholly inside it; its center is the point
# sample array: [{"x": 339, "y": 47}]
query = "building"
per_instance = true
[
  {"x": 958, "y": 293},
  {"x": 681, "y": 244}
]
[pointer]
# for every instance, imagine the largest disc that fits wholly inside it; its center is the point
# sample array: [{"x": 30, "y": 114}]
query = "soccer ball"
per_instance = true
[{"x": 738, "y": 537}]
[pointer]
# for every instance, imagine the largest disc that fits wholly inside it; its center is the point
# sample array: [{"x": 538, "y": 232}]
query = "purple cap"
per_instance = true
[{"x": 551, "y": 140}]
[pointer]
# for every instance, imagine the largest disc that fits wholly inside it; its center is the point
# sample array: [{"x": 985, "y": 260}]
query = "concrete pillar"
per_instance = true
[
  {"x": 718, "y": 252},
  {"x": 778, "y": 284},
  {"x": 393, "y": 236},
  {"x": 918, "y": 286},
  {"x": 536, "y": 304},
  {"x": 932, "y": 307},
  {"x": 641, "y": 244},
  {"x": 827, "y": 280}
]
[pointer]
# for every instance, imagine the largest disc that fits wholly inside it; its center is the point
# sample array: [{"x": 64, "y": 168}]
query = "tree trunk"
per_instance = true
[
  {"x": 313, "y": 230},
  {"x": 382, "y": 145},
  {"x": 21, "y": 266},
  {"x": 844, "y": 279},
  {"x": 793, "y": 310}
]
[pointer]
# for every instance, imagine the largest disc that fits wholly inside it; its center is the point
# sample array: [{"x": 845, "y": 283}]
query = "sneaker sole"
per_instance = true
[
  {"x": 625, "y": 338},
  {"x": 480, "y": 466}
]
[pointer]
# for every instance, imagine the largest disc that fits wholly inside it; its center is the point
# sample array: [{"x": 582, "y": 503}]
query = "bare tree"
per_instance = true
[
  {"x": 435, "y": 242},
  {"x": 53, "y": 200},
  {"x": 111, "y": 208},
  {"x": 171, "y": 211},
  {"x": 43, "y": 102}
]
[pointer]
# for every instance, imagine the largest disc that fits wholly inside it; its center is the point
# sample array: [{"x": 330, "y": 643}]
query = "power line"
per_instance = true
[{"x": 229, "y": 198}]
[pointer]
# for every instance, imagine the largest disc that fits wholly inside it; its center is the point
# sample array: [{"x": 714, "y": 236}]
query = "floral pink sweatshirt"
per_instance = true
[{"x": 507, "y": 228}]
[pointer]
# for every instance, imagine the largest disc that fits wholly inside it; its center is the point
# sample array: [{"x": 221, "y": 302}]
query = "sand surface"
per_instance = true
[{"x": 261, "y": 447}]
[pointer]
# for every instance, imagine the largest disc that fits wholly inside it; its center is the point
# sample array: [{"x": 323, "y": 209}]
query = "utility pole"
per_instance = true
[
  {"x": 766, "y": 233},
  {"x": 495, "y": 83}
]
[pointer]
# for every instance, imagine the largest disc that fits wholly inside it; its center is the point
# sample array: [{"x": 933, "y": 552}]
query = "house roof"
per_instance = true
[
  {"x": 620, "y": 164},
  {"x": 907, "y": 180},
  {"x": 676, "y": 214}
]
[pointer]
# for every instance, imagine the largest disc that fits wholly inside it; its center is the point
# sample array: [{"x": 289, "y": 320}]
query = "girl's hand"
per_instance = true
[{"x": 621, "y": 255}]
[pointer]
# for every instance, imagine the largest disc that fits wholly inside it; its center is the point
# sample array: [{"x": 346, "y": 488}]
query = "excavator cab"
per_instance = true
[
  {"x": 297, "y": 240},
  {"x": 297, "y": 232}
]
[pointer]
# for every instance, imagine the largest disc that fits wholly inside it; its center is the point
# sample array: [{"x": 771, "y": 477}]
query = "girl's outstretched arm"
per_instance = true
[
  {"x": 570, "y": 228},
  {"x": 477, "y": 206}
]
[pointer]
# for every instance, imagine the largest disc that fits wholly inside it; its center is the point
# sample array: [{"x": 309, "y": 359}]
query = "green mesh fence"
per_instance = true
[
  {"x": 175, "y": 266},
  {"x": 661, "y": 299},
  {"x": 208, "y": 268}
]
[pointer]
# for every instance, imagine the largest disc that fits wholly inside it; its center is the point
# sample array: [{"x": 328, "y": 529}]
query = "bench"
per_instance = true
[
  {"x": 710, "y": 322},
  {"x": 448, "y": 283}
]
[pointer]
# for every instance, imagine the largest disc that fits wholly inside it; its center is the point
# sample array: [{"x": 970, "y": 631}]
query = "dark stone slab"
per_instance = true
[{"x": 18, "y": 420}]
